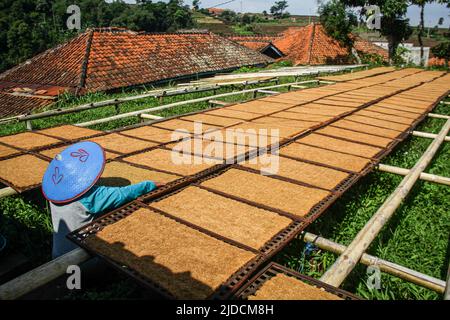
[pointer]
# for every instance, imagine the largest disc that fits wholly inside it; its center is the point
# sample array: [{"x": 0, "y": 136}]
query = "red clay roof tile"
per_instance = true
[
  {"x": 112, "y": 58},
  {"x": 310, "y": 45},
  {"x": 11, "y": 105}
]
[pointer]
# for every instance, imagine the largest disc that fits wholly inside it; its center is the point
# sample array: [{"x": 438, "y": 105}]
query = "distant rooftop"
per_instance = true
[
  {"x": 310, "y": 45},
  {"x": 105, "y": 59}
]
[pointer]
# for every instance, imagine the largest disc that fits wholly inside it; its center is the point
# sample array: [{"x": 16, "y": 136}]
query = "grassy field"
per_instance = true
[
  {"x": 417, "y": 237},
  {"x": 83, "y": 116}
]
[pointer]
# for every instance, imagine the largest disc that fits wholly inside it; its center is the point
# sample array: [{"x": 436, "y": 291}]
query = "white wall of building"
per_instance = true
[{"x": 413, "y": 54}]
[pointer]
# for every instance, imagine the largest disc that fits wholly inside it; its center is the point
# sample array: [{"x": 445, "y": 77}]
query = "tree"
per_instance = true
[
  {"x": 277, "y": 10},
  {"x": 28, "y": 27},
  {"x": 337, "y": 21},
  {"x": 228, "y": 15},
  {"x": 422, "y": 4},
  {"x": 247, "y": 19},
  {"x": 394, "y": 26},
  {"x": 196, "y": 5}
]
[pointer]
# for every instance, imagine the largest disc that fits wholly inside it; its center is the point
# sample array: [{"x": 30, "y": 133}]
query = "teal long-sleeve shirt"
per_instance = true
[
  {"x": 98, "y": 200},
  {"x": 103, "y": 199}
]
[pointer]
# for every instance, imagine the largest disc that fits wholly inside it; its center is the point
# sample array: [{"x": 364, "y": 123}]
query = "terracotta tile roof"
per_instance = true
[
  {"x": 112, "y": 58},
  {"x": 310, "y": 45},
  {"x": 296, "y": 43},
  {"x": 263, "y": 44},
  {"x": 436, "y": 62},
  {"x": 60, "y": 66},
  {"x": 11, "y": 105},
  {"x": 216, "y": 11},
  {"x": 367, "y": 47}
]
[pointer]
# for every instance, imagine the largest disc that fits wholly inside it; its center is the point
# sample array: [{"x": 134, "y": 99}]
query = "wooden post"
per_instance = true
[
  {"x": 161, "y": 97},
  {"x": 385, "y": 266},
  {"x": 347, "y": 261},
  {"x": 29, "y": 125},
  {"x": 41, "y": 275}
]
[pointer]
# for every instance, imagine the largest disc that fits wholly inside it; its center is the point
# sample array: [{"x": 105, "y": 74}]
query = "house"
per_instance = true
[
  {"x": 113, "y": 58},
  {"x": 412, "y": 53},
  {"x": 311, "y": 45},
  {"x": 262, "y": 44},
  {"x": 215, "y": 11}
]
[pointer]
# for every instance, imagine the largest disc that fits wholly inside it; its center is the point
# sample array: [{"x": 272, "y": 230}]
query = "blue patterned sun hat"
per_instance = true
[{"x": 73, "y": 172}]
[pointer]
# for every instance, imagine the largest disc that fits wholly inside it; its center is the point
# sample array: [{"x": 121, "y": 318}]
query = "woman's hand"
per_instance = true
[{"x": 159, "y": 184}]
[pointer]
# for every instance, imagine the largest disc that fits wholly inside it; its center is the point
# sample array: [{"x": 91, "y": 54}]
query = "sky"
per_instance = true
[{"x": 309, "y": 7}]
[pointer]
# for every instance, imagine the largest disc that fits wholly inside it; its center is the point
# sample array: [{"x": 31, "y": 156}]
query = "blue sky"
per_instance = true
[{"x": 432, "y": 11}]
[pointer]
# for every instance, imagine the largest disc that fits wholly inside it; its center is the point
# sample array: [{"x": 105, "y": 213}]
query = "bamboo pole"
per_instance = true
[
  {"x": 41, "y": 275},
  {"x": 110, "y": 102},
  {"x": 385, "y": 266},
  {"x": 427, "y": 135},
  {"x": 438, "y": 116},
  {"x": 347, "y": 261},
  {"x": 327, "y": 82},
  {"x": 6, "y": 192},
  {"x": 299, "y": 87},
  {"x": 282, "y": 72},
  {"x": 218, "y": 103},
  {"x": 268, "y": 92},
  {"x": 156, "y": 93},
  {"x": 423, "y": 176},
  {"x": 150, "y": 116},
  {"x": 181, "y": 103}
]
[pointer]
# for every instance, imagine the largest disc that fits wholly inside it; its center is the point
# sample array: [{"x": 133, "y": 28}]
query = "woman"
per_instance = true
[{"x": 69, "y": 185}]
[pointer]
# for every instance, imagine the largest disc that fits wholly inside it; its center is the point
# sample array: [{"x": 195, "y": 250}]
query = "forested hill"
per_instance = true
[{"x": 28, "y": 27}]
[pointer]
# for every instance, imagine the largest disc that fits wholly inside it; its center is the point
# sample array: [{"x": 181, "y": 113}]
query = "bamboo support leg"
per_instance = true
[
  {"x": 438, "y": 116},
  {"x": 6, "y": 192},
  {"x": 385, "y": 266},
  {"x": 447, "y": 287},
  {"x": 427, "y": 135},
  {"x": 347, "y": 261},
  {"x": 423, "y": 176},
  {"x": 41, "y": 275}
]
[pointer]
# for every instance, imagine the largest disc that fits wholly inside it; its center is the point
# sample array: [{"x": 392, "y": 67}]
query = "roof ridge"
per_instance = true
[
  {"x": 84, "y": 65},
  {"x": 39, "y": 55},
  {"x": 311, "y": 43},
  {"x": 125, "y": 30}
]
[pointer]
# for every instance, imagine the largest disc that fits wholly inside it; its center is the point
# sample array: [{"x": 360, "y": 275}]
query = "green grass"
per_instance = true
[
  {"x": 27, "y": 225},
  {"x": 416, "y": 237},
  {"x": 130, "y": 106}
]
